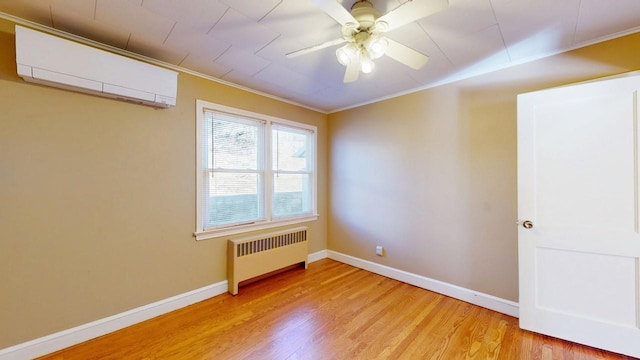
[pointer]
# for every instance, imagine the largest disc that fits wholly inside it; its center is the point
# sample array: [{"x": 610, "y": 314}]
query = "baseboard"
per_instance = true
[
  {"x": 477, "y": 298},
  {"x": 319, "y": 255},
  {"x": 63, "y": 339}
]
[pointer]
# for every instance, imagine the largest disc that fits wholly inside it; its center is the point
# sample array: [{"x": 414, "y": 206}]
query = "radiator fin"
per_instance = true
[{"x": 269, "y": 243}]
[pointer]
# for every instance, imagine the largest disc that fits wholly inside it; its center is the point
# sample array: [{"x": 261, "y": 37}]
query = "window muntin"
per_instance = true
[{"x": 254, "y": 171}]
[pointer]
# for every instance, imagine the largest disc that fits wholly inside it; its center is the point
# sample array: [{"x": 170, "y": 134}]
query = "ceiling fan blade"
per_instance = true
[
  {"x": 409, "y": 12},
  {"x": 352, "y": 72},
  {"x": 315, "y": 47},
  {"x": 405, "y": 55},
  {"x": 334, "y": 9}
]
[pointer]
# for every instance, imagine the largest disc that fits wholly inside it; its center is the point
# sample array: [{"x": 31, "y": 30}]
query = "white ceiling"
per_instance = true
[{"x": 245, "y": 41}]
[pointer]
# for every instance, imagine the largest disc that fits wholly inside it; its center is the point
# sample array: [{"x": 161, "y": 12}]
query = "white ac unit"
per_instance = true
[{"x": 53, "y": 61}]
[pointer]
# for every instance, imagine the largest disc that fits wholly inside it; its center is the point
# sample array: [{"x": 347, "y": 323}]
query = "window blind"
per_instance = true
[{"x": 234, "y": 170}]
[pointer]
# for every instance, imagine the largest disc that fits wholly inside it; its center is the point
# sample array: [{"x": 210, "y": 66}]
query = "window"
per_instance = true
[
  {"x": 253, "y": 171},
  {"x": 291, "y": 150}
]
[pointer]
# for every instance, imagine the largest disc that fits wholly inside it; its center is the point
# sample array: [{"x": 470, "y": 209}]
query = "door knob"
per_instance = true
[{"x": 527, "y": 224}]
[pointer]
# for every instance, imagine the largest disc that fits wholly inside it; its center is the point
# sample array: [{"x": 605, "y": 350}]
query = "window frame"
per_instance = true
[{"x": 203, "y": 233}]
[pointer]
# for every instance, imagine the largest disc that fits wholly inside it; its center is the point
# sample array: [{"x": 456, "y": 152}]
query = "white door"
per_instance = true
[{"x": 579, "y": 213}]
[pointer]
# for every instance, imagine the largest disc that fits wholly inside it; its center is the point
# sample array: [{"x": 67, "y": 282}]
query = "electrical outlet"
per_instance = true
[{"x": 379, "y": 250}]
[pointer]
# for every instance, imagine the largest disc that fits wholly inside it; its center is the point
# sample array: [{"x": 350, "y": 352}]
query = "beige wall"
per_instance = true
[
  {"x": 97, "y": 197},
  {"x": 97, "y": 200},
  {"x": 431, "y": 176}
]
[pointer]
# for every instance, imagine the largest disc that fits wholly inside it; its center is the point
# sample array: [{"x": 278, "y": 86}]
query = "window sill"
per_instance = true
[{"x": 216, "y": 233}]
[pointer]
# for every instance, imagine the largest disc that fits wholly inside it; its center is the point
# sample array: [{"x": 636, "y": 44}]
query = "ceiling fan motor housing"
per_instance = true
[{"x": 365, "y": 13}]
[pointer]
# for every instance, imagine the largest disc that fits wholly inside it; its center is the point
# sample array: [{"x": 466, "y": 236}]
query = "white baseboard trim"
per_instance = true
[
  {"x": 63, "y": 339},
  {"x": 473, "y": 297},
  {"x": 319, "y": 255}
]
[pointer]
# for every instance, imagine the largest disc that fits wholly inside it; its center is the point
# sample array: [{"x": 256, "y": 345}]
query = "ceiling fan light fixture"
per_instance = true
[
  {"x": 366, "y": 64},
  {"x": 363, "y": 30},
  {"x": 377, "y": 47},
  {"x": 347, "y": 54},
  {"x": 343, "y": 57},
  {"x": 381, "y": 26}
]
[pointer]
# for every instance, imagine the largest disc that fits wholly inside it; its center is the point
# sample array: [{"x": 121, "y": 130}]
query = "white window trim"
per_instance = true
[{"x": 201, "y": 233}]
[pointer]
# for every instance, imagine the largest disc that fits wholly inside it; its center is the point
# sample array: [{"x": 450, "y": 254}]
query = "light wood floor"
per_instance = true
[{"x": 330, "y": 311}]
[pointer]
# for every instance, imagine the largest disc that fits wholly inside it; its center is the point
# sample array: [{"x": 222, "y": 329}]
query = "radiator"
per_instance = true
[{"x": 253, "y": 256}]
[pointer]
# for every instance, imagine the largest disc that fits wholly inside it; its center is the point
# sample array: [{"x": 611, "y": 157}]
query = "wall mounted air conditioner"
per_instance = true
[{"x": 53, "y": 61}]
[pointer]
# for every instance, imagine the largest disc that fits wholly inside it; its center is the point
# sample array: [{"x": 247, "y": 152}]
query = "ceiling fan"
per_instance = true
[{"x": 362, "y": 30}]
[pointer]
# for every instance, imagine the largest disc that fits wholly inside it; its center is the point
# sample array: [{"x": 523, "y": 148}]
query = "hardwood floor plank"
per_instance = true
[
  {"x": 400, "y": 341},
  {"x": 330, "y": 311}
]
